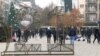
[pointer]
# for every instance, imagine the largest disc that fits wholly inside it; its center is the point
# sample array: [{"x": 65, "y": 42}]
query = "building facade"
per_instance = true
[
  {"x": 81, "y": 7},
  {"x": 68, "y": 5},
  {"x": 90, "y": 11}
]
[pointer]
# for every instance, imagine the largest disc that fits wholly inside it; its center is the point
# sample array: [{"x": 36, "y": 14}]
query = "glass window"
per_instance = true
[
  {"x": 81, "y": 15},
  {"x": 92, "y": 17},
  {"x": 91, "y": 0},
  {"x": 82, "y": 6},
  {"x": 92, "y": 7}
]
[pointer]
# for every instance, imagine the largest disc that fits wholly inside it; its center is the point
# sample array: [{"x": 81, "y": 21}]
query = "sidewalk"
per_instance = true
[
  {"x": 84, "y": 49},
  {"x": 81, "y": 48}
]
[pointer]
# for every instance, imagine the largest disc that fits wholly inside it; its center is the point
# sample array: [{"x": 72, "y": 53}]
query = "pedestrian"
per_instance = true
[
  {"x": 48, "y": 34},
  {"x": 83, "y": 33},
  {"x": 26, "y": 35},
  {"x": 41, "y": 33},
  {"x": 99, "y": 36},
  {"x": 96, "y": 34},
  {"x": 32, "y": 33},
  {"x": 61, "y": 36},
  {"x": 54, "y": 35},
  {"x": 14, "y": 36},
  {"x": 18, "y": 33},
  {"x": 72, "y": 34},
  {"x": 88, "y": 35}
]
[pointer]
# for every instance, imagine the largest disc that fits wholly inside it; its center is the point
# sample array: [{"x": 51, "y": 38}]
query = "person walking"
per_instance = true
[
  {"x": 14, "y": 36},
  {"x": 41, "y": 33},
  {"x": 62, "y": 35},
  {"x": 54, "y": 35},
  {"x": 18, "y": 33},
  {"x": 32, "y": 33},
  {"x": 99, "y": 36},
  {"x": 26, "y": 35},
  {"x": 83, "y": 34},
  {"x": 72, "y": 34},
  {"x": 96, "y": 34},
  {"x": 88, "y": 35},
  {"x": 48, "y": 34}
]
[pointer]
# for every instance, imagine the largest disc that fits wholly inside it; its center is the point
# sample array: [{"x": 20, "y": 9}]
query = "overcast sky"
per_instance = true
[{"x": 44, "y": 3}]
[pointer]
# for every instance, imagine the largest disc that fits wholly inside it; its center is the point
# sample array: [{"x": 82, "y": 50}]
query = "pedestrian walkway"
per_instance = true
[
  {"x": 84, "y": 49},
  {"x": 81, "y": 48}
]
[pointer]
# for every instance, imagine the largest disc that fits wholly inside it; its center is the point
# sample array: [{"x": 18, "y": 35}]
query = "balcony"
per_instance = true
[
  {"x": 91, "y": 8},
  {"x": 91, "y": 17},
  {"x": 91, "y": 1}
]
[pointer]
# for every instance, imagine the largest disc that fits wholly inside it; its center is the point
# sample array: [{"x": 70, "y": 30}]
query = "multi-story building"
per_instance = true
[
  {"x": 68, "y": 5},
  {"x": 81, "y": 7},
  {"x": 92, "y": 11},
  {"x": 89, "y": 10}
]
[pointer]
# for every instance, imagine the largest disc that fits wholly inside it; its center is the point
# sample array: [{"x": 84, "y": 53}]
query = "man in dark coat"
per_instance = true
[
  {"x": 96, "y": 32},
  {"x": 48, "y": 34},
  {"x": 88, "y": 35},
  {"x": 62, "y": 35},
  {"x": 32, "y": 33},
  {"x": 72, "y": 34},
  {"x": 41, "y": 33},
  {"x": 18, "y": 33},
  {"x": 54, "y": 35},
  {"x": 83, "y": 32},
  {"x": 26, "y": 34},
  {"x": 98, "y": 36}
]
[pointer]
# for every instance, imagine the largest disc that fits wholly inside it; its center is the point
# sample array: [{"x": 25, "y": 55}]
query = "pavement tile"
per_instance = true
[{"x": 81, "y": 48}]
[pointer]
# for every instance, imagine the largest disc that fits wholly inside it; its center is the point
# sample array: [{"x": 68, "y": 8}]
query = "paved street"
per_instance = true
[
  {"x": 81, "y": 48},
  {"x": 84, "y": 49}
]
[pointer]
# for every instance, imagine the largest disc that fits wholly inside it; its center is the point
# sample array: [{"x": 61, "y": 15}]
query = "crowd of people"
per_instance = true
[
  {"x": 61, "y": 34},
  {"x": 87, "y": 32}
]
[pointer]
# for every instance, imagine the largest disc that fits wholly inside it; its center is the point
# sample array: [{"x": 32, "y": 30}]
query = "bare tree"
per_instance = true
[
  {"x": 67, "y": 19},
  {"x": 1, "y": 10},
  {"x": 47, "y": 14}
]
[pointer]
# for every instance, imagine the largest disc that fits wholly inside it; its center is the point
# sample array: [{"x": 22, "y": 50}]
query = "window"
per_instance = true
[
  {"x": 92, "y": 7},
  {"x": 82, "y": 6},
  {"x": 92, "y": 17},
  {"x": 91, "y": 0},
  {"x": 81, "y": 15}
]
